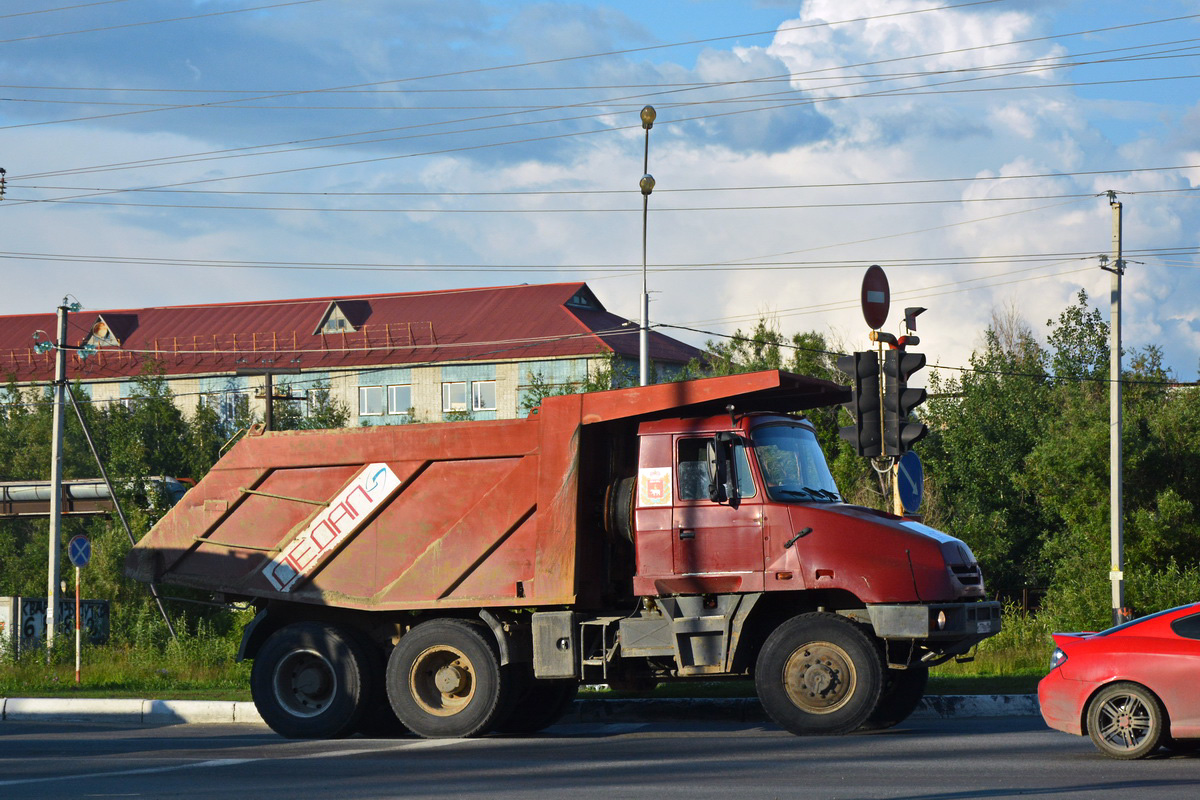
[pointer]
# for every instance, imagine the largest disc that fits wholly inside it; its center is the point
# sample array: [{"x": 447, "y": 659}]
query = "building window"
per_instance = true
[
  {"x": 454, "y": 396},
  {"x": 370, "y": 401},
  {"x": 230, "y": 406},
  {"x": 483, "y": 396},
  {"x": 399, "y": 399}
]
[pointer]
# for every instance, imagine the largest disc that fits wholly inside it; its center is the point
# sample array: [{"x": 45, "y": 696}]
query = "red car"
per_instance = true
[{"x": 1131, "y": 688}]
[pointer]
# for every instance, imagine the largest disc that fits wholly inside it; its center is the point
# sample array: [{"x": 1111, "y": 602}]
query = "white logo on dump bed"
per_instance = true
[{"x": 344, "y": 515}]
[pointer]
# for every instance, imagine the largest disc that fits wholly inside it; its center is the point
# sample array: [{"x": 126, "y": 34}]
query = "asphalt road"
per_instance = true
[{"x": 921, "y": 760}]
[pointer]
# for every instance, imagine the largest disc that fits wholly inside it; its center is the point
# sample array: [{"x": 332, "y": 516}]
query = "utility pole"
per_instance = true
[
  {"x": 647, "y": 186},
  {"x": 268, "y": 374},
  {"x": 1116, "y": 465},
  {"x": 56, "y": 464}
]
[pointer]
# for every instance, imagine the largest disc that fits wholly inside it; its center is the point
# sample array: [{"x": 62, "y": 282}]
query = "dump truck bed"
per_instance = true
[{"x": 466, "y": 514}]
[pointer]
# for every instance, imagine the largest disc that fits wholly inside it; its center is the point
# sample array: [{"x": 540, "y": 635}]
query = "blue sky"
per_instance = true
[{"x": 163, "y": 153}]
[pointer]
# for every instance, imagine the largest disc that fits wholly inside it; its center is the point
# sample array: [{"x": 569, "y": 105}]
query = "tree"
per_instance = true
[
  {"x": 610, "y": 373},
  {"x": 983, "y": 426}
]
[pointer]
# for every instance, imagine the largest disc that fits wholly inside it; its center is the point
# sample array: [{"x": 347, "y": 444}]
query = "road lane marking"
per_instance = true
[{"x": 421, "y": 744}]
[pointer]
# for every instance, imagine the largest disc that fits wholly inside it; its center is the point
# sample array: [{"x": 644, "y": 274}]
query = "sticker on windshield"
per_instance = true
[{"x": 654, "y": 486}]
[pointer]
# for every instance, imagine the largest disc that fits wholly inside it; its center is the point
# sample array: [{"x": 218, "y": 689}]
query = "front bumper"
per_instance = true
[{"x": 936, "y": 622}]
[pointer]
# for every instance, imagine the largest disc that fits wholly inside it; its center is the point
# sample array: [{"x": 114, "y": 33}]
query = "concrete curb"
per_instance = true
[
  {"x": 143, "y": 712},
  {"x": 733, "y": 709}
]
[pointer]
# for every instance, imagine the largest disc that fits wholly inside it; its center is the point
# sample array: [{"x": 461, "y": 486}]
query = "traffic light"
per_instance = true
[
  {"x": 899, "y": 433},
  {"x": 865, "y": 433}
]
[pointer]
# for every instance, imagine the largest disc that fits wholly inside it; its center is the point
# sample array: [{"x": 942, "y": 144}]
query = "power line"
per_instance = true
[
  {"x": 1027, "y": 66},
  {"x": 657, "y": 190},
  {"x": 60, "y": 8},
  {"x": 144, "y": 23},
  {"x": 584, "y": 210},
  {"x": 925, "y": 261},
  {"x": 204, "y": 156},
  {"x": 563, "y": 59}
]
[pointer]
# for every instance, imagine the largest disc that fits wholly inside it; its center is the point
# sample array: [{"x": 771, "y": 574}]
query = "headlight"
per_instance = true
[
  {"x": 1057, "y": 658},
  {"x": 941, "y": 621}
]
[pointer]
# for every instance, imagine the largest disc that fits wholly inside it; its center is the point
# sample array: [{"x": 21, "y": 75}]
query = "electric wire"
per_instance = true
[{"x": 143, "y": 23}]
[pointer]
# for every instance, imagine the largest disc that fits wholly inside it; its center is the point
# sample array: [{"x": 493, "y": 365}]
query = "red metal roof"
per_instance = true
[{"x": 484, "y": 324}]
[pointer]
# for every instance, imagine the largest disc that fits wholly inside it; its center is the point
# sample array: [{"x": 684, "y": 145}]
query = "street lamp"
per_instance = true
[{"x": 647, "y": 186}]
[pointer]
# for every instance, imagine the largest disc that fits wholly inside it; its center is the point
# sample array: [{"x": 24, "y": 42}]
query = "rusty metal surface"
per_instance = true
[
  {"x": 770, "y": 390},
  {"x": 485, "y": 513}
]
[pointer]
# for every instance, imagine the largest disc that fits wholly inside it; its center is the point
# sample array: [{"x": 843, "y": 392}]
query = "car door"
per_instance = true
[{"x": 717, "y": 546}]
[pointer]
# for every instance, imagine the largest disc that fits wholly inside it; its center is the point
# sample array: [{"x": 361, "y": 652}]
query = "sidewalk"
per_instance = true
[{"x": 741, "y": 709}]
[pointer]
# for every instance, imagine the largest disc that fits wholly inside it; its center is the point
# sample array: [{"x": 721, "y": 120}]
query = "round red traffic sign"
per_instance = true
[{"x": 876, "y": 298}]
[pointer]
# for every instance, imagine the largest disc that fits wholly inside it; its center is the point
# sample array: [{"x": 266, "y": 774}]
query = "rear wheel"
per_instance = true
[
  {"x": 312, "y": 681},
  {"x": 901, "y": 695},
  {"x": 539, "y": 704},
  {"x": 378, "y": 720},
  {"x": 444, "y": 680},
  {"x": 819, "y": 674},
  {"x": 1126, "y": 720}
]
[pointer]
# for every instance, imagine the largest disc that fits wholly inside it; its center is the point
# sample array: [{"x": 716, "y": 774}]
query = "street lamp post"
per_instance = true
[{"x": 647, "y": 186}]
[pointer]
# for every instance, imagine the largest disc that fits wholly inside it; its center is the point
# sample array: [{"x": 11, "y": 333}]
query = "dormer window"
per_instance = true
[
  {"x": 102, "y": 336},
  {"x": 583, "y": 299},
  {"x": 337, "y": 324},
  {"x": 344, "y": 316},
  {"x": 111, "y": 330}
]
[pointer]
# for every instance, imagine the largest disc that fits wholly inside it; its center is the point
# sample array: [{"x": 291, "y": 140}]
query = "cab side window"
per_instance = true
[
  {"x": 696, "y": 463},
  {"x": 695, "y": 455}
]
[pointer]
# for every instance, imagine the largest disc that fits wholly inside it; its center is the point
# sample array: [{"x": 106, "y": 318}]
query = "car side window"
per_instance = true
[{"x": 1187, "y": 627}]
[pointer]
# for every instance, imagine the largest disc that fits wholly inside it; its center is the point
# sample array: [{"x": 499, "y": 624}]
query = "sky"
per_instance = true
[{"x": 205, "y": 151}]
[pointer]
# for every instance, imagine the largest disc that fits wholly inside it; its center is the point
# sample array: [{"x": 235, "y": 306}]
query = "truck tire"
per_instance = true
[
  {"x": 901, "y": 695},
  {"x": 444, "y": 680},
  {"x": 378, "y": 720},
  {"x": 312, "y": 681},
  {"x": 819, "y": 674},
  {"x": 540, "y": 703}
]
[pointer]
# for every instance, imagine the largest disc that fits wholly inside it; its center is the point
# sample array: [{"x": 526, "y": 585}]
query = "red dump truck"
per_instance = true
[{"x": 465, "y": 578}]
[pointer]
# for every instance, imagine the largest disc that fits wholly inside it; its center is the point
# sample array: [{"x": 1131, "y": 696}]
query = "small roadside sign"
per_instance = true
[
  {"x": 876, "y": 297},
  {"x": 79, "y": 550},
  {"x": 910, "y": 482}
]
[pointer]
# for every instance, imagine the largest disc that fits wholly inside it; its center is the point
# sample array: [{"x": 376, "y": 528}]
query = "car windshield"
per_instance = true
[{"x": 793, "y": 466}]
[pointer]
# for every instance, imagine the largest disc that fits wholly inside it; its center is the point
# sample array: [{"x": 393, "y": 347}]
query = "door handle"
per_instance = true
[
  {"x": 800, "y": 534},
  {"x": 687, "y": 533}
]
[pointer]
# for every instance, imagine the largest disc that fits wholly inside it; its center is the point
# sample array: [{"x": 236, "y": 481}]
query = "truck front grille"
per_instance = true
[{"x": 967, "y": 574}]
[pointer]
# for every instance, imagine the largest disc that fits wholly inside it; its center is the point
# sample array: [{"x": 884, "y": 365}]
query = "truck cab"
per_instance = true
[{"x": 748, "y": 504}]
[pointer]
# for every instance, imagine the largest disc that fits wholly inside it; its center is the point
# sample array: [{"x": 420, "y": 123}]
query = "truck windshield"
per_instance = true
[{"x": 793, "y": 466}]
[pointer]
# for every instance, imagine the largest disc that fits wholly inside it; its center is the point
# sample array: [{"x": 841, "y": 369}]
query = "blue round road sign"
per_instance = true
[
  {"x": 79, "y": 550},
  {"x": 910, "y": 482}
]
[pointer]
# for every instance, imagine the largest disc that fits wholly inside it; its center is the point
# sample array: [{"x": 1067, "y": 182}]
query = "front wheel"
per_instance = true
[
  {"x": 819, "y": 674},
  {"x": 312, "y": 681},
  {"x": 444, "y": 680},
  {"x": 902, "y": 693},
  {"x": 1125, "y": 720}
]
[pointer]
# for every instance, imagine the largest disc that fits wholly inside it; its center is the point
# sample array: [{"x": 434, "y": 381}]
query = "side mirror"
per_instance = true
[
  {"x": 722, "y": 485},
  {"x": 718, "y": 471}
]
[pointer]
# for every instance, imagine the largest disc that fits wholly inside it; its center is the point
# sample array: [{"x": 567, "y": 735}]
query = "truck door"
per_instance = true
[{"x": 717, "y": 546}]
